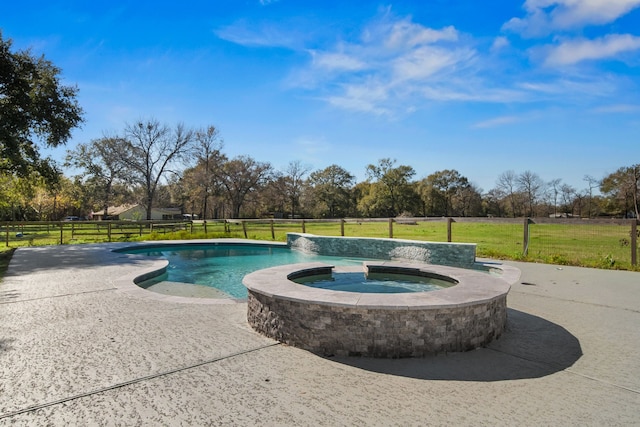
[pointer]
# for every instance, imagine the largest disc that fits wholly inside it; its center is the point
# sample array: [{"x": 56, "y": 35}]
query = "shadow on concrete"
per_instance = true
[
  {"x": 5, "y": 344},
  {"x": 531, "y": 347},
  {"x": 8, "y": 296}
]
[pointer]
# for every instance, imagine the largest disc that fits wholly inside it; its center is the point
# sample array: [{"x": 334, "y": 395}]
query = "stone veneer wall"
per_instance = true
[
  {"x": 442, "y": 253},
  {"x": 377, "y": 332}
]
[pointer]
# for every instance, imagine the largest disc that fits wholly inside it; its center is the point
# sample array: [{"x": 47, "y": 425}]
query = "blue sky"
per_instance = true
[{"x": 550, "y": 86}]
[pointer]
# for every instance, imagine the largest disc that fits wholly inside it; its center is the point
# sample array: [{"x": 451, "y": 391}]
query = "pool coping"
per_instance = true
[
  {"x": 155, "y": 266},
  {"x": 473, "y": 287}
]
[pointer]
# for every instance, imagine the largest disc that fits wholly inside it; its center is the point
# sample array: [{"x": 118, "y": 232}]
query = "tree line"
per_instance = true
[{"x": 157, "y": 165}]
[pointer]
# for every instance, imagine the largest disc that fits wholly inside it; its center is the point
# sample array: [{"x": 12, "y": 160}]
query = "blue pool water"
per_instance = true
[
  {"x": 223, "y": 266},
  {"x": 379, "y": 283}
]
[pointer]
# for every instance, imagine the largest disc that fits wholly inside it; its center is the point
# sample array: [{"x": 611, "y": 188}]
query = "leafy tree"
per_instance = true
[
  {"x": 331, "y": 189},
  {"x": 150, "y": 151},
  {"x": 392, "y": 190},
  {"x": 16, "y": 195},
  {"x": 623, "y": 186},
  {"x": 34, "y": 107},
  {"x": 241, "y": 177},
  {"x": 448, "y": 193}
]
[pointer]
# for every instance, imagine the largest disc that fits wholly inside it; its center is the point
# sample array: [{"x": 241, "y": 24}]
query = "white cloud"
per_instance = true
[
  {"x": 265, "y": 36},
  {"x": 427, "y": 61},
  {"x": 499, "y": 43},
  {"x": 337, "y": 61},
  {"x": 367, "y": 97},
  {"x": 497, "y": 121},
  {"x": 616, "y": 109},
  {"x": 574, "y": 51},
  {"x": 546, "y": 16},
  {"x": 391, "y": 62}
]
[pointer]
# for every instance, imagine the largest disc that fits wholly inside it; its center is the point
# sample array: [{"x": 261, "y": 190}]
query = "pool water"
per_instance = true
[
  {"x": 385, "y": 283},
  {"x": 223, "y": 266}
]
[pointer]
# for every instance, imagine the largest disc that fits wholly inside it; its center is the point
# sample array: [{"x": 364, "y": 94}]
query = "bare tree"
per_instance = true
[
  {"x": 210, "y": 158},
  {"x": 101, "y": 167},
  {"x": 532, "y": 186},
  {"x": 150, "y": 151},
  {"x": 568, "y": 198},
  {"x": 294, "y": 183},
  {"x": 507, "y": 184},
  {"x": 554, "y": 186},
  {"x": 593, "y": 183}
]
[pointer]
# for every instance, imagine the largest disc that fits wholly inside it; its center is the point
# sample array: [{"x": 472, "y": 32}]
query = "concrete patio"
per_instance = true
[{"x": 77, "y": 347}]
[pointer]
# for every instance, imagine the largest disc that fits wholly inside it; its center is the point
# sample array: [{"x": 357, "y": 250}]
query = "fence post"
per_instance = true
[
  {"x": 634, "y": 242},
  {"x": 304, "y": 228},
  {"x": 391, "y": 228},
  {"x": 525, "y": 239},
  {"x": 449, "y": 221},
  {"x": 342, "y": 227},
  {"x": 6, "y": 225},
  {"x": 273, "y": 233},
  {"x": 61, "y": 234},
  {"x": 109, "y": 231},
  {"x": 140, "y": 234},
  {"x": 205, "y": 227},
  {"x": 244, "y": 228}
]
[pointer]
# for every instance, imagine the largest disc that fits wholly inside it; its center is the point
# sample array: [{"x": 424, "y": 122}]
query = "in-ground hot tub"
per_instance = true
[{"x": 469, "y": 314}]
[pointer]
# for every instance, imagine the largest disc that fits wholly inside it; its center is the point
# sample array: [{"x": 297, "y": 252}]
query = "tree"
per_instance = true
[
  {"x": 568, "y": 198},
  {"x": 507, "y": 184},
  {"x": 449, "y": 193},
  {"x": 554, "y": 188},
  {"x": 624, "y": 186},
  {"x": 209, "y": 158},
  {"x": 150, "y": 150},
  {"x": 531, "y": 185},
  {"x": 34, "y": 107},
  {"x": 392, "y": 191},
  {"x": 101, "y": 166},
  {"x": 593, "y": 183},
  {"x": 16, "y": 195},
  {"x": 294, "y": 184},
  {"x": 331, "y": 190},
  {"x": 241, "y": 177}
]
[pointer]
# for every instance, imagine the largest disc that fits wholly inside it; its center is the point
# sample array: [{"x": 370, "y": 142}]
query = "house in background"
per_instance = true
[{"x": 137, "y": 213}]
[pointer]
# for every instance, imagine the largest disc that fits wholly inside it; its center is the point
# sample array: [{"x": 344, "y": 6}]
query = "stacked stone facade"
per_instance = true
[
  {"x": 377, "y": 332},
  {"x": 441, "y": 253}
]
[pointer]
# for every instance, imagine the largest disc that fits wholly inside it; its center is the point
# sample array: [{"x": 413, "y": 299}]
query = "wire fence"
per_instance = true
[{"x": 593, "y": 243}]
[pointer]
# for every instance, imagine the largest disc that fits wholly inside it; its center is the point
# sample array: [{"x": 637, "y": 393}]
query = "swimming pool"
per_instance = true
[{"x": 222, "y": 266}]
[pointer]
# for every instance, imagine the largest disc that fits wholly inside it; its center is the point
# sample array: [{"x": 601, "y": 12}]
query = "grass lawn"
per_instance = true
[{"x": 589, "y": 245}]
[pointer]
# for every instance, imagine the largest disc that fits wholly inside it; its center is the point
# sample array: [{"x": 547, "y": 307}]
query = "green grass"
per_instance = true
[{"x": 590, "y": 245}]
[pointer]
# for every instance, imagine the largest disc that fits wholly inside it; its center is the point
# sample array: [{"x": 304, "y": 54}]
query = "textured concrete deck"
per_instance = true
[{"x": 76, "y": 348}]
